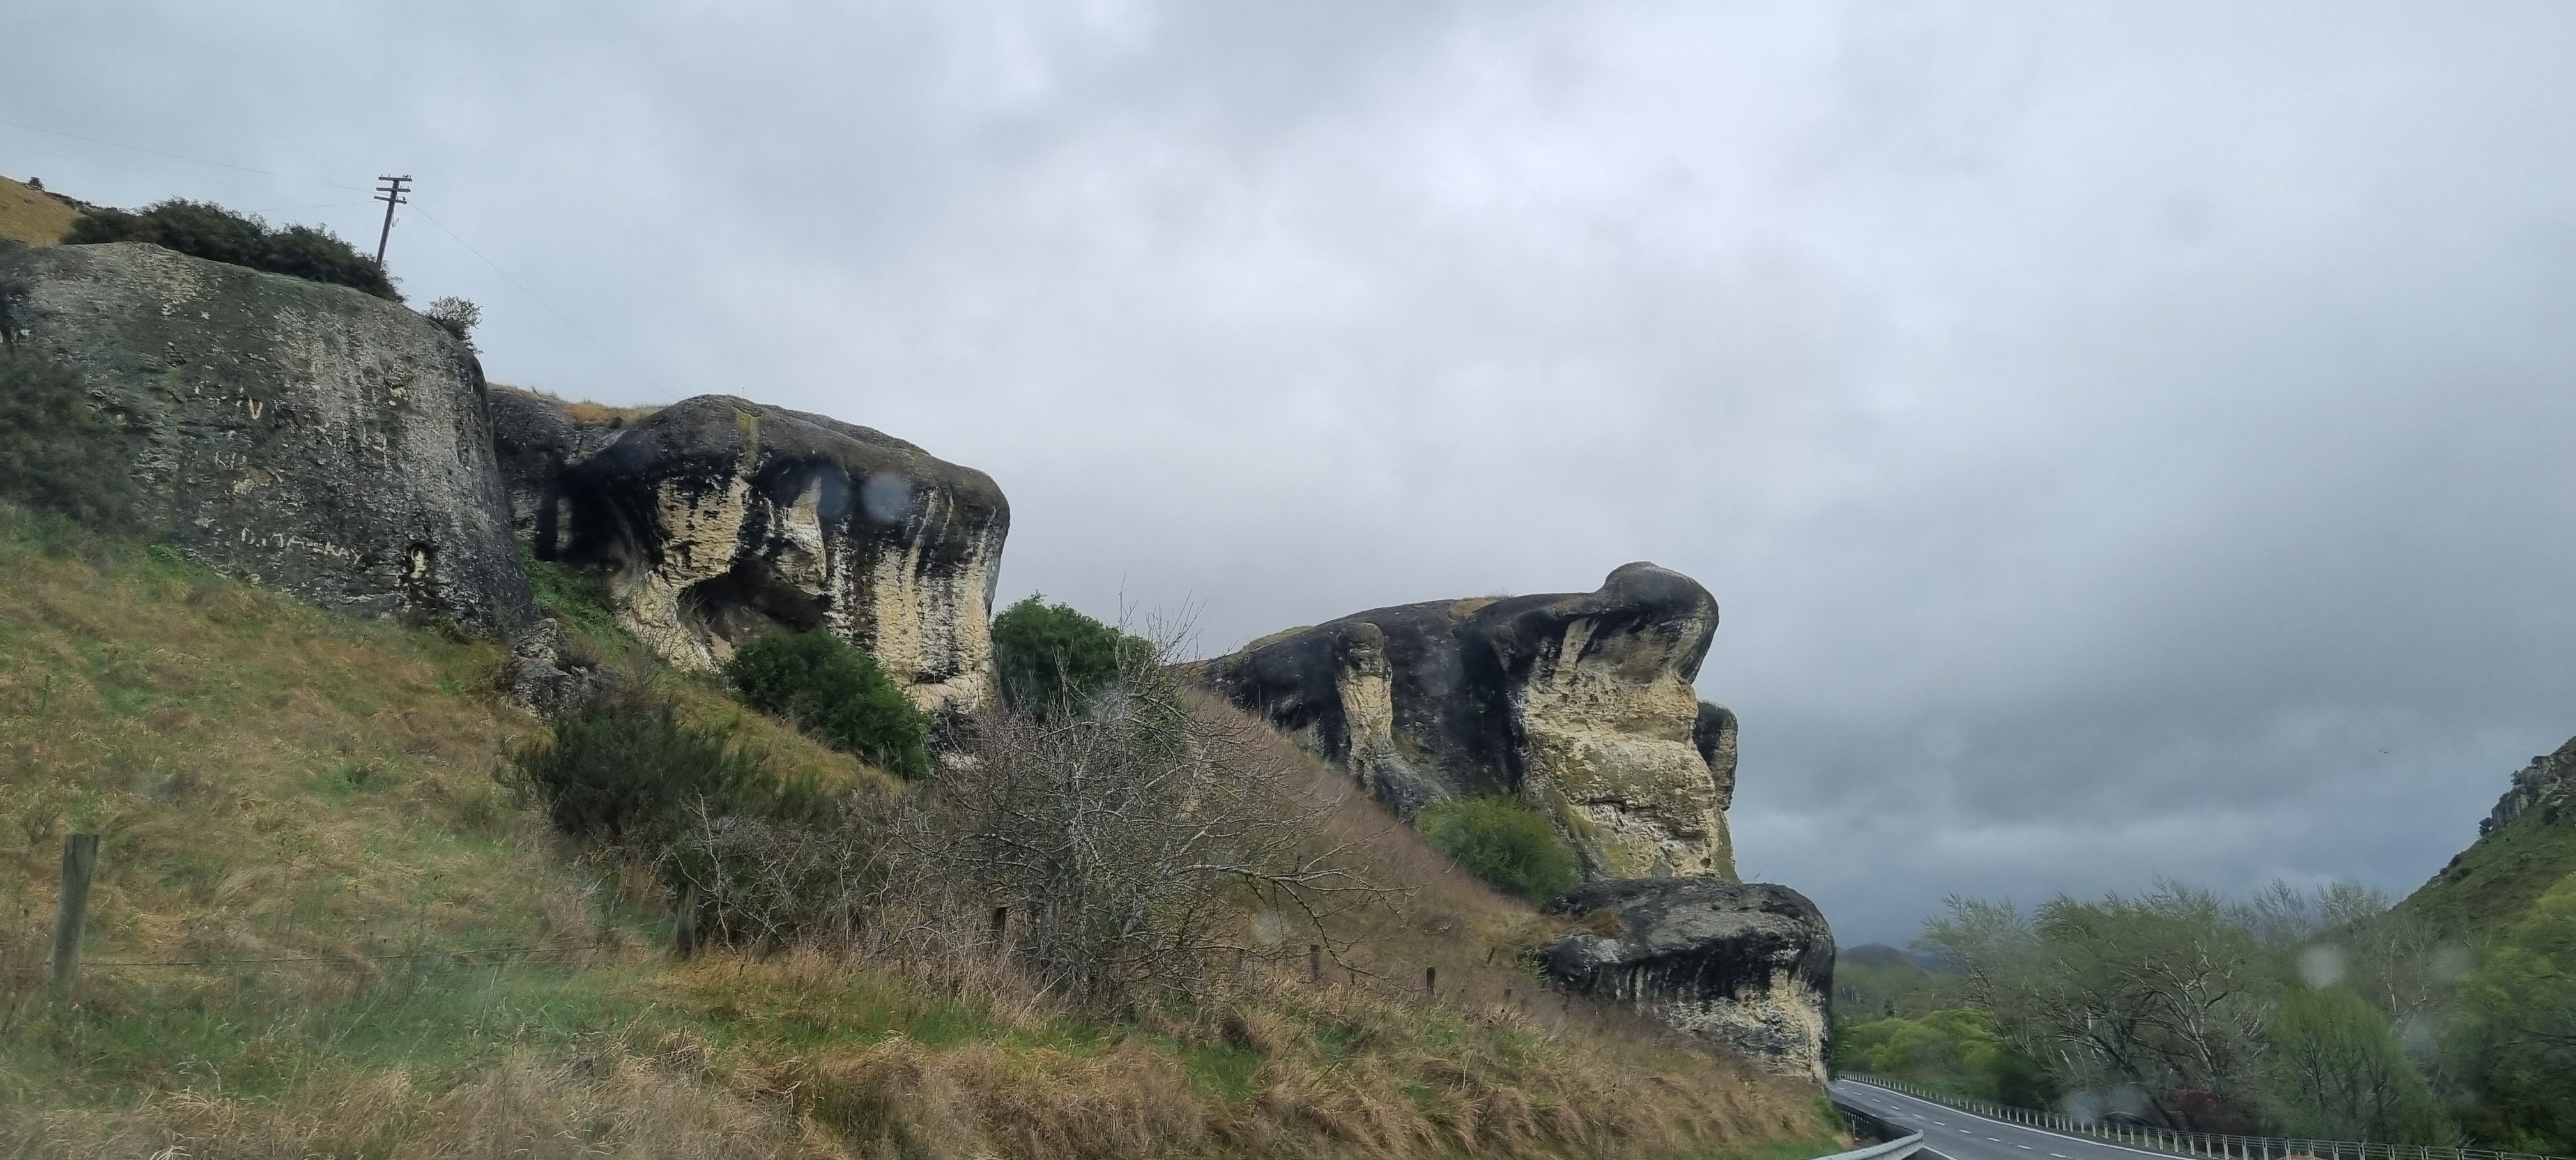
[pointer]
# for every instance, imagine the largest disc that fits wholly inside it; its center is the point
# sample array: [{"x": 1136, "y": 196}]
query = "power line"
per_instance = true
[
  {"x": 179, "y": 156},
  {"x": 560, "y": 316},
  {"x": 558, "y": 947},
  {"x": 390, "y": 193},
  {"x": 522, "y": 287}
]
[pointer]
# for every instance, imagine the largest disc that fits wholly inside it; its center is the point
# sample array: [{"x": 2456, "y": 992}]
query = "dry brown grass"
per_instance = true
[
  {"x": 275, "y": 782},
  {"x": 31, "y": 215},
  {"x": 637, "y": 1105},
  {"x": 587, "y": 412}
]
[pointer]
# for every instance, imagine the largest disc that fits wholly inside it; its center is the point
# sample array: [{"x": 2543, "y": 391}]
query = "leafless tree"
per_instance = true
[{"x": 1129, "y": 843}]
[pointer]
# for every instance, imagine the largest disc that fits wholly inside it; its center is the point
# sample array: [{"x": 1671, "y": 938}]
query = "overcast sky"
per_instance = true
[{"x": 2125, "y": 439}]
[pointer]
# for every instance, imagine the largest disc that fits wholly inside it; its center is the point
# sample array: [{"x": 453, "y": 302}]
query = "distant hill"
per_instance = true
[
  {"x": 1884, "y": 957},
  {"x": 2527, "y": 845},
  {"x": 32, "y": 215}
]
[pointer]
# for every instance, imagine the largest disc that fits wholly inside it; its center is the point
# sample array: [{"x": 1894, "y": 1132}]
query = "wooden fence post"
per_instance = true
[
  {"x": 71, "y": 907},
  {"x": 1001, "y": 922},
  {"x": 1314, "y": 963},
  {"x": 684, "y": 925},
  {"x": 1430, "y": 983}
]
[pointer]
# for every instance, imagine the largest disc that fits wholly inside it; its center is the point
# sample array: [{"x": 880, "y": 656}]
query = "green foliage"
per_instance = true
[
  {"x": 458, "y": 316},
  {"x": 58, "y": 453},
  {"x": 209, "y": 231},
  {"x": 576, "y": 599},
  {"x": 2513, "y": 1033},
  {"x": 1954, "y": 1049},
  {"x": 836, "y": 693},
  {"x": 1880, "y": 991},
  {"x": 2167, "y": 991},
  {"x": 1504, "y": 842},
  {"x": 627, "y": 772},
  {"x": 1054, "y": 661},
  {"x": 2335, "y": 1071}
]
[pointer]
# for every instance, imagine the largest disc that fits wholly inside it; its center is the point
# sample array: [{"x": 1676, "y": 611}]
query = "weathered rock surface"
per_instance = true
[
  {"x": 534, "y": 439},
  {"x": 718, "y": 518},
  {"x": 1746, "y": 965},
  {"x": 2548, "y": 784},
  {"x": 1581, "y": 704},
  {"x": 305, "y": 437}
]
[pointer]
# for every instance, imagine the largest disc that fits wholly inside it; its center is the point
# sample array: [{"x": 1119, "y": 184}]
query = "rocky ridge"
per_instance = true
[
  {"x": 2547, "y": 785},
  {"x": 340, "y": 448}
]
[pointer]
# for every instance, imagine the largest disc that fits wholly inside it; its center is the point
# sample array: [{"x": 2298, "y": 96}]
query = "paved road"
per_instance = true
[{"x": 1957, "y": 1135}]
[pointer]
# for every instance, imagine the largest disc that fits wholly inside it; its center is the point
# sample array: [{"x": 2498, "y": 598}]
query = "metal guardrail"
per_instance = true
[
  {"x": 2215, "y": 1146},
  {"x": 1898, "y": 1149}
]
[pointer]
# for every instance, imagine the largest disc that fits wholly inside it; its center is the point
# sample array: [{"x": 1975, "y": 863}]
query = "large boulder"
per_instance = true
[
  {"x": 1748, "y": 966},
  {"x": 305, "y": 437},
  {"x": 1580, "y": 704},
  {"x": 718, "y": 518}
]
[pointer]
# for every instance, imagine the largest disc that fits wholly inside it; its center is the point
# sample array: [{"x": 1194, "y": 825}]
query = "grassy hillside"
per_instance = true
[
  {"x": 2498, "y": 878},
  {"x": 31, "y": 216},
  {"x": 325, "y": 925}
]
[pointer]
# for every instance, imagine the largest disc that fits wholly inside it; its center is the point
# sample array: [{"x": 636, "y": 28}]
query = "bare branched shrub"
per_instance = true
[
  {"x": 765, "y": 882},
  {"x": 1128, "y": 843}
]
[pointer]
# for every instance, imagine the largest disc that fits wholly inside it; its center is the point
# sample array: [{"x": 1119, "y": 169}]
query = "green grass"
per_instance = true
[
  {"x": 276, "y": 783},
  {"x": 2498, "y": 877}
]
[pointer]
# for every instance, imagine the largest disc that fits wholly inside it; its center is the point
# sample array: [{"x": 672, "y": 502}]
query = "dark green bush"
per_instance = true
[
  {"x": 836, "y": 693},
  {"x": 1053, "y": 659},
  {"x": 627, "y": 772},
  {"x": 1504, "y": 842},
  {"x": 206, "y": 230},
  {"x": 58, "y": 453}
]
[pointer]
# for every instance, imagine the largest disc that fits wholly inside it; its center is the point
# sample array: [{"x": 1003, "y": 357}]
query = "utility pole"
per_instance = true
[{"x": 390, "y": 193}]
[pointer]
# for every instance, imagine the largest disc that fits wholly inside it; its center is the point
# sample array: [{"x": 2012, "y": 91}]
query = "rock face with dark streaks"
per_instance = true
[
  {"x": 717, "y": 518},
  {"x": 305, "y": 437},
  {"x": 535, "y": 438},
  {"x": 1745, "y": 965},
  {"x": 1581, "y": 704}
]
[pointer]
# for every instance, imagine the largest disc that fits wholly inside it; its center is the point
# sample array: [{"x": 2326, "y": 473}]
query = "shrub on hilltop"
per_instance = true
[
  {"x": 1054, "y": 660},
  {"x": 836, "y": 693},
  {"x": 1504, "y": 842},
  {"x": 206, "y": 230}
]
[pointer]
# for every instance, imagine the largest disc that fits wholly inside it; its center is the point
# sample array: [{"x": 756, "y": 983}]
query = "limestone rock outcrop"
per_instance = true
[
  {"x": 1581, "y": 704},
  {"x": 305, "y": 437},
  {"x": 1745, "y": 965},
  {"x": 717, "y": 518},
  {"x": 2548, "y": 785}
]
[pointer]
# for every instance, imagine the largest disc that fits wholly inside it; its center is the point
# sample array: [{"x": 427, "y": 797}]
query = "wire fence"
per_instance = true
[
  {"x": 2214, "y": 1145},
  {"x": 605, "y": 941}
]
